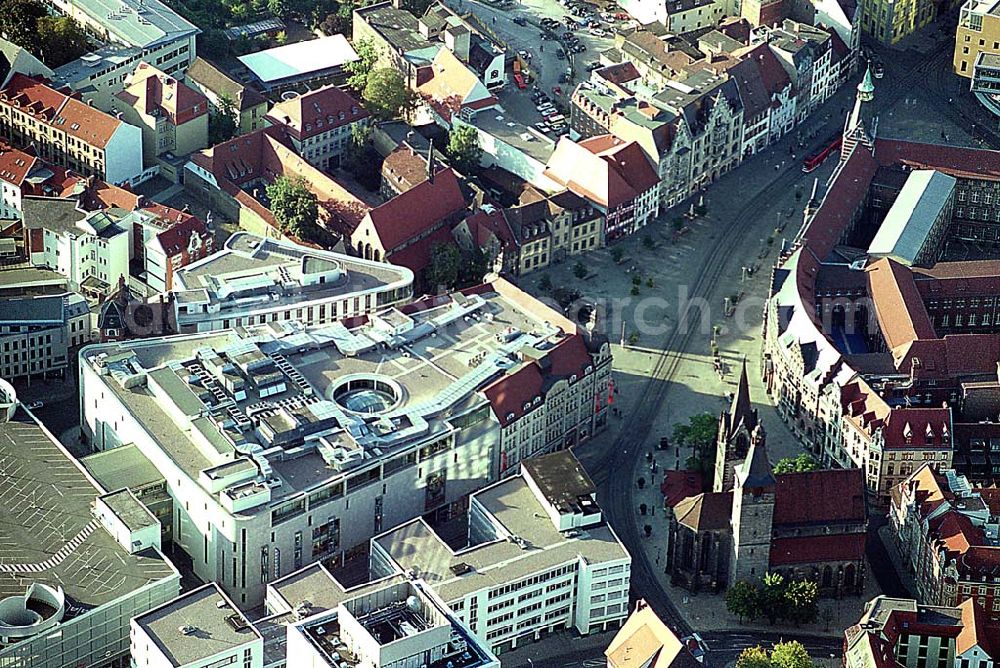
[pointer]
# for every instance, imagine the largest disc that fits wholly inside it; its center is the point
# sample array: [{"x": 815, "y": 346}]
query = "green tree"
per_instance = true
[
  {"x": 802, "y": 602},
  {"x": 753, "y": 657},
  {"x": 294, "y": 207},
  {"x": 799, "y": 464},
  {"x": 278, "y": 8},
  {"x": 223, "y": 121},
  {"x": 386, "y": 94},
  {"x": 61, "y": 40},
  {"x": 359, "y": 70},
  {"x": 546, "y": 283},
  {"x": 580, "y": 270},
  {"x": 463, "y": 149},
  {"x": 442, "y": 272},
  {"x": 741, "y": 600},
  {"x": 790, "y": 654},
  {"x": 361, "y": 159},
  {"x": 699, "y": 433},
  {"x": 771, "y": 597},
  {"x": 19, "y": 23},
  {"x": 476, "y": 263}
]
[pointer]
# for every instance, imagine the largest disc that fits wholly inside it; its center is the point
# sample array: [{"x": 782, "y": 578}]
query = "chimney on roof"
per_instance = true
[{"x": 430, "y": 162}]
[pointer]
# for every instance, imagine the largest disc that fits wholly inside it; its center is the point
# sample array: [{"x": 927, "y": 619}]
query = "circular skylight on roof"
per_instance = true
[{"x": 368, "y": 395}]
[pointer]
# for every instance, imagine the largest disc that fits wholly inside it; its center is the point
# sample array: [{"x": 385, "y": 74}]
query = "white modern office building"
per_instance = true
[
  {"x": 256, "y": 280},
  {"x": 539, "y": 557},
  {"x": 200, "y": 629},
  {"x": 282, "y": 444}
]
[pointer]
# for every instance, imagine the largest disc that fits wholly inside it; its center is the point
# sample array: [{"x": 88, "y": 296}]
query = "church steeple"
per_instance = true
[
  {"x": 735, "y": 430},
  {"x": 756, "y": 471},
  {"x": 741, "y": 411},
  {"x": 862, "y": 123}
]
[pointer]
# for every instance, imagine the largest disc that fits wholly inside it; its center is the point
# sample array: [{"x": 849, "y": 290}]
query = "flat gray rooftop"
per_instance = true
[
  {"x": 144, "y": 23},
  {"x": 911, "y": 217},
  {"x": 47, "y": 532},
  {"x": 516, "y": 134},
  {"x": 129, "y": 510},
  {"x": 124, "y": 466},
  {"x": 415, "y": 545},
  {"x": 316, "y": 589},
  {"x": 252, "y": 266},
  {"x": 561, "y": 478},
  {"x": 212, "y": 625}
]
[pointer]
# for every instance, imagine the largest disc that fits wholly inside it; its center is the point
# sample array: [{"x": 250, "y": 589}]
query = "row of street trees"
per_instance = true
[
  {"x": 791, "y": 654},
  {"x": 796, "y": 601}
]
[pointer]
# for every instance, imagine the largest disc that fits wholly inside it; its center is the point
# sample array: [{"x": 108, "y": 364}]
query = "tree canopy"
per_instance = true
[
  {"x": 796, "y": 601},
  {"x": 359, "y": 70},
  {"x": 55, "y": 40},
  {"x": 790, "y": 654},
  {"x": 223, "y": 122},
  {"x": 386, "y": 94},
  {"x": 444, "y": 266},
  {"x": 800, "y": 464},
  {"x": 61, "y": 40},
  {"x": 463, "y": 149},
  {"x": 700, "y": 434},
  {"x": 294, "y": 206}
]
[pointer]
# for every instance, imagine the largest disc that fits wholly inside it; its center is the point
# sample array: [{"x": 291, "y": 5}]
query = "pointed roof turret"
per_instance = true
[
  {"x": 866, "y": 89},
  {"x": 756, "y": 471},
  {"x": 741, "y": 410}
]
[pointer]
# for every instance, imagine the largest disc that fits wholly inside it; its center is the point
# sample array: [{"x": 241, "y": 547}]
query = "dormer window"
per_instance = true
[{"x": 342, "y": 115}]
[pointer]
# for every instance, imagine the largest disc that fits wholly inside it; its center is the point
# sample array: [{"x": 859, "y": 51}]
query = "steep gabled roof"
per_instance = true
[{"x": 417, "y": 210}]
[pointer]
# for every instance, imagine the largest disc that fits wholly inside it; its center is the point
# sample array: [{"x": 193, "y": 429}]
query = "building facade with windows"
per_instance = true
[
  {"x": 320, "y": 123},
  {"x": 40, "y": 323},
  {"x": 948, "y": 533},
  {"x": 68, "y": 132},
  {"x": 539, "y": 557}
]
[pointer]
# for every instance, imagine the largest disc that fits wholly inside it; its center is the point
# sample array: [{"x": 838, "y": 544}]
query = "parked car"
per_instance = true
[
  {"x": 520, "y": 20},
  {"x": 596, "y": 32},
  {"x": 519, "y": 81},
  {"x": 563, "y": 78},
  {"x": 560, "y": 54},
  {"x": 542, "y": 126},
  {"x": 622, "y": 16},
  {"x": 596, "y": 65},
  {"x": 579, "y": 48},
  {"x": 557, "y": 90}
]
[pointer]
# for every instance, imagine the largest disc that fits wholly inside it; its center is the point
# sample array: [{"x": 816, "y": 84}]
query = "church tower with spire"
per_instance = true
[
  {"x": 752, "y": 515},
  {"x": 735, "y": 430},
  {"x": 860, "y": 126}
]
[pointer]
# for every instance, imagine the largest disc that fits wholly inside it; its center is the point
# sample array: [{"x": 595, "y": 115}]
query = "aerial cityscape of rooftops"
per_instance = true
[{"x": 500, "y": 333}]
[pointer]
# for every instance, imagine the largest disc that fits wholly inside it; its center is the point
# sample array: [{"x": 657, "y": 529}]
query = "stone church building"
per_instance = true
[{"x": 802, "y": 525}]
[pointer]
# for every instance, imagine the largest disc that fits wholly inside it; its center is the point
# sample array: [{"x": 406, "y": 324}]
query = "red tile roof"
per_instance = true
[
  {"x": 977, "y": 630},
  {"x": 262, "y": 156},
  {"x": 900, "y": 311},
  {"x": 679, "y": 485},
  {"x": 417, "y": 256},
  {"x": 835, "y": 495},
  {"x": 153, "y": 92},
  {"x": 924, "y": 427},
  {"x": 15, "y": 165},
  {"x": 817, "y": 549},
  {"x": 317, "y": 111},
  {"x": 954, "y": 160},
  {"x": 175, "y": 239},
  {"x": 58, "y": 110},
  {"x": 417, "y": 210},
  {"x": 510, "y": 394}
]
